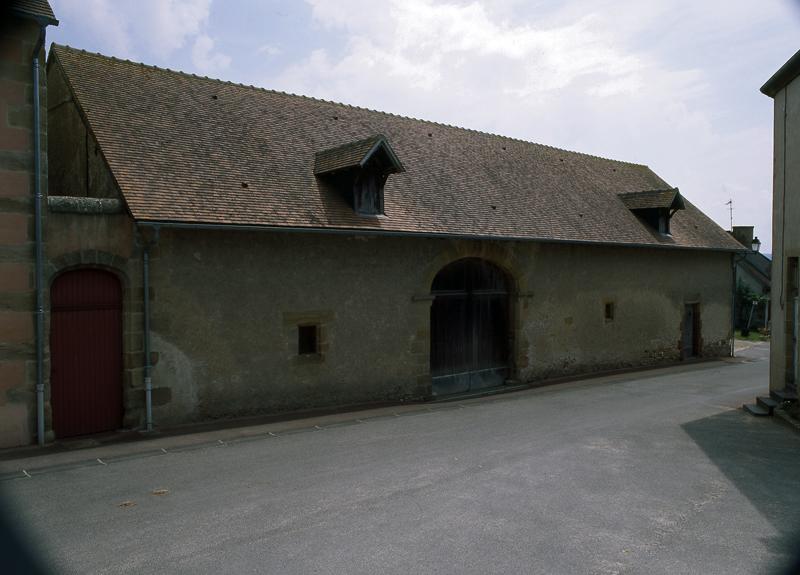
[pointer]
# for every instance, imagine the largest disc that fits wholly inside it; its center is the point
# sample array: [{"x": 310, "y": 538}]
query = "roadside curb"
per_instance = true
[
  {"x": 28, "y": 472},
  {"x": 32, "y": 464}
]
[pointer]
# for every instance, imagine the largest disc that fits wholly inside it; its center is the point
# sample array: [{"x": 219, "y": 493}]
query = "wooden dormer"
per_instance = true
[{"x": 360, "y": 170}]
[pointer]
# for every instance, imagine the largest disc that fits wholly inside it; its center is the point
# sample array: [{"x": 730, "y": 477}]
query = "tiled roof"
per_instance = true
[
  {"x": 182, "y": 147},
  {"x": 352, "y": 155},
  {"x": 652, "y": 199},
  {"x": 39, "y": 10}
]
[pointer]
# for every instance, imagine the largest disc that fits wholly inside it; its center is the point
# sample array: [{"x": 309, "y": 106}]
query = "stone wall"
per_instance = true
[
  {"x": 785, "y": 230},
  {"x": 18, "y": 38},
  {"x": 226, "y": 306}
]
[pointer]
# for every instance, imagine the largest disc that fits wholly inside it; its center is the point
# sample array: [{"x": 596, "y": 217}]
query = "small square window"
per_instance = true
[
  {"x": 307, "y": 339},
  {"x": 609, "y": 311}
]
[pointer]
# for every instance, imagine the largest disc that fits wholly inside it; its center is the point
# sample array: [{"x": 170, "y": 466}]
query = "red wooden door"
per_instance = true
[{"x": 86, "y": 352}]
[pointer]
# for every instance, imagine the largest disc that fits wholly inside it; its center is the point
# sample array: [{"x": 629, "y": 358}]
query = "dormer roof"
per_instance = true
[
  {"x": 669, "y": 198},
  {"x": 356, "y": 155}
]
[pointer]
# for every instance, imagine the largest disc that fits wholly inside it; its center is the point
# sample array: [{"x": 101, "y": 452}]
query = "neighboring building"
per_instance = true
[
  {"x": 784, "y": 88},
  {"x": 753, "y": 273},
  {"x": 292, "y": 253},
  {"x": 22, "y": 28}
]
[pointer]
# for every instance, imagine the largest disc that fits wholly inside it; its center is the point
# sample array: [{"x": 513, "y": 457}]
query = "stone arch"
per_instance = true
[
  {"x": 471, "y": 333},
  {"x": 506, "y": 255},
  {"x": 501, "y": 254}
]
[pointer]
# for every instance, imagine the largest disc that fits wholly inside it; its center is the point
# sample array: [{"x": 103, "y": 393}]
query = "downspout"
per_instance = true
[
  {"x": 37, "y": 187},
  {"x": 148, "y": 380},
  {"x": 795, "y": 337},
  {"x": 733, "y": 305}
]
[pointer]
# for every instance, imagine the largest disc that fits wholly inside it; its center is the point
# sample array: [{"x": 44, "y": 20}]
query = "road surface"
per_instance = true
[{"x": 655, "y": 472}]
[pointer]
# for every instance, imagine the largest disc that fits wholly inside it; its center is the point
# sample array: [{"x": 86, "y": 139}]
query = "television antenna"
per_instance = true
[{"x": 729, "y": 203}]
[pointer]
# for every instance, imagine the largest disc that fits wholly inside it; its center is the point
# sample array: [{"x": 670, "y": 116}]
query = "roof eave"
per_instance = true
[
  {"x": 417, "y": 234},
  {"x": 40, "y": 19},
  {"x": 677, "y": 201},
  {"x": 785, "y": 74}
]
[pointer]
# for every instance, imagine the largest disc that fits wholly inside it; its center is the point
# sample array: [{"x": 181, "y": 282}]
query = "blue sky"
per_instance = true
[{"x": 668, "y": 83}]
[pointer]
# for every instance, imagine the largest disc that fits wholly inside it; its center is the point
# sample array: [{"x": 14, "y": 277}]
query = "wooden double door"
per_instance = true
[{"x": 470, "y": 338}]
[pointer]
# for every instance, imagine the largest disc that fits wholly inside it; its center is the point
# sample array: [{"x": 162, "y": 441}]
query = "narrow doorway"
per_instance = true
[
  {"x": 792, "y": 323},
  {"x": 691, "y": 331},
  {"x": 86, "y": 352}
]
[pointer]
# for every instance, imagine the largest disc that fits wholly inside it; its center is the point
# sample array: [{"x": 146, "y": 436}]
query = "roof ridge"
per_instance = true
[{"x": 346, "y": 105}]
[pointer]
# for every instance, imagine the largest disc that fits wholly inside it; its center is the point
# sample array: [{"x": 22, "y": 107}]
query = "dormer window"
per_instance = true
[
  {"x": 359, "y": 170},
  {"x": 368, "y": 192},
  {"x": 654, "y": 207}
]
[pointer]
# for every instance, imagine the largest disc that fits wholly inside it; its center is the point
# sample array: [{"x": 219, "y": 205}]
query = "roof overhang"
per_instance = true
[
  {"x": 38, "y": 11},
  {"x": 780, "y": 79},
  {"x": 669, "y": 199},
  {"x": 356, "y": 155},
  {"x": 349, "y": 231}
]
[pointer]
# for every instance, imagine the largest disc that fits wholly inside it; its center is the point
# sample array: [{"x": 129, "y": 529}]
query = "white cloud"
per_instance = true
[
  {"x": 100, "y": 16},
  {"x": 147, "y": 29},
  {"x": 269, "y": 50},
  {"x": 204, "y": 57},
  {"x": 426, "y": 45},
  {"x": 168, "y": 24}
]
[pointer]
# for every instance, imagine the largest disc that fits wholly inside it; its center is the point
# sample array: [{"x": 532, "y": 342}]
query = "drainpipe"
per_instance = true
[
  {"x": 733, "y": 305},
  {"x": 795, "y": 336},
  {"x": 39, "y": 287},
  {"x": 148, "y": 380}
]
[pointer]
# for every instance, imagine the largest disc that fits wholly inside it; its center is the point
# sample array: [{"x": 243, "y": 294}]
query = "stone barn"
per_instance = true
[{"x": 213, "y": 250}]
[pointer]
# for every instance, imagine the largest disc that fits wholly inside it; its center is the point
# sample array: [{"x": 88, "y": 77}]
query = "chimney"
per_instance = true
[{"x": 743, "y": 235}]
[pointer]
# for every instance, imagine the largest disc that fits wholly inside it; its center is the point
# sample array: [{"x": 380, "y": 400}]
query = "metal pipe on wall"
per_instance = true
[
  {"x": 148, "y": 380},
  {"x": 795, "y": 341},
  {"x": 39, "y": 258},
  {"x": 733, "y": 305}
]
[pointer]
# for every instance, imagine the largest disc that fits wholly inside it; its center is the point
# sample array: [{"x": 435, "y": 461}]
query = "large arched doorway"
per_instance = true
[
  {"x": 469, "y": 327},
  {"x": 86, "y": 352}
]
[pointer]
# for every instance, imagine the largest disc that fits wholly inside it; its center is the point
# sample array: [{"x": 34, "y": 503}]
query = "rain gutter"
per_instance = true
[{"x": 397, "y": 233}]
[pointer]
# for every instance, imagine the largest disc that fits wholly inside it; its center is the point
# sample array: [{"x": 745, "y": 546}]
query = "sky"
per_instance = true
[{"x": 673, "y": 84}]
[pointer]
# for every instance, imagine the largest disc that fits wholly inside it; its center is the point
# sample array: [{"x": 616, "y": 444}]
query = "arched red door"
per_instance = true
[{"x": 86, "y": 352}]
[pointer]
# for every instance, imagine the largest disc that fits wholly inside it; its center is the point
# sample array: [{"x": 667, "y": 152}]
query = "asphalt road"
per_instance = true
[{"x": 657, "y": 472}]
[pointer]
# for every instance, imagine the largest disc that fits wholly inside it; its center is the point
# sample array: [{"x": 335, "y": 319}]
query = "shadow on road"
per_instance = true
[{"x": 761, "y": 458}]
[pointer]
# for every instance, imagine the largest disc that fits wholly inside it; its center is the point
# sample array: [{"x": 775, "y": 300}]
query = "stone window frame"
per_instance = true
[{"x": 322, "y": 319}]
